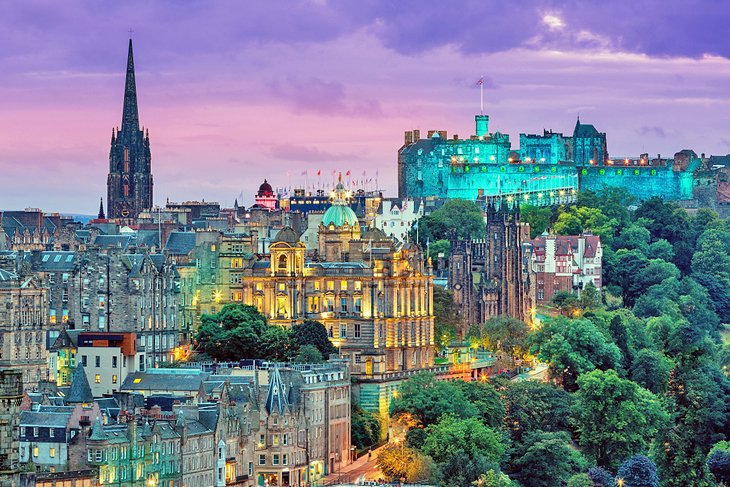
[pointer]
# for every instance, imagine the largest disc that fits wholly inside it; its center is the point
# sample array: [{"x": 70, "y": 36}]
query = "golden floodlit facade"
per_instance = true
[{"x": 374, "y": 297}]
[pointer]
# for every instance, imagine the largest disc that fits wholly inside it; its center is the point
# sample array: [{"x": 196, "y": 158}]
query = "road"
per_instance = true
[{"x": 362, "y": 468}]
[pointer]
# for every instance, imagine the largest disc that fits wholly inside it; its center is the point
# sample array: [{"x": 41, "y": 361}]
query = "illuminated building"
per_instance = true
[
  {"x": 490, "y": 277},
  {"x": 565, "y": 263},
  {"x": 373, "y": 296},
  {"x": 265, "y": 197},
  {"x": 129, "y": 183},
  {"x": 547, "y": 169}
]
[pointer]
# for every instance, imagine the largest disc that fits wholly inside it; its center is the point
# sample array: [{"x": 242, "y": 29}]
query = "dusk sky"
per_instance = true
[{"x": 234, "y": 92}]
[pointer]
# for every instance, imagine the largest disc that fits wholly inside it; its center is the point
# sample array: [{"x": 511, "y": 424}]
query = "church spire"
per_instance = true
[
  {"x": 130, "y": 114},
  {"x": 101, "y": 215}
]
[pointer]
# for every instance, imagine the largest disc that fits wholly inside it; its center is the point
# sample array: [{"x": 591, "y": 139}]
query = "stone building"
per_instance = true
[
  {"x": 489, "y": 277},
  {"x": 129, "y": 183},
  {"x": 565, "y": 263},
  {"x": 32, "y": 229},
  {"x": 23, "y": 320},
  {"x": 396, "y": 217},
  {"x": 114, "y": 288},
  {"x": 11, "y": 395}
]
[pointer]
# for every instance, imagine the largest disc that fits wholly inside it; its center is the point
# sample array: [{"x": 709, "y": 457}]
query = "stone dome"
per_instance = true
[{"x": 265, "y": 189}]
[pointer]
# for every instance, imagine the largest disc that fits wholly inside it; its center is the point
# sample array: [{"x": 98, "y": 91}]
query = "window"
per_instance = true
[
  {"x": 285, "y": 439},
  {"x": 35, "y": 451},
  {"x": 97, "y": 378},
  {"x": 35, "y": 431},
  {"x": 282, "y": 286},
  {"x": 316, "y": 285},
  {"x": 52, "y": 452},
  {"x": 53, "y": 316},
  {"x": 250, "y": 469},
  {"x": 275, "y": 440},
  {"x": 98, "y": 456},
  {"x": 357, "y": 330},
  {"x": 330, "y": 332},
  {"x": 102, "y": 322},
  {"x": 237, "y": 296},
  {"x": 102, "y": 301},
  {"x": 343, "y": 285},
  {"x": 84, "y": 360},
  {"x": 51, "y": 432},
  {"x": 276, "y": 459},
  {"x": 358, "y": 285},
  {"x": 114, "y": 362},
  {"x": 262, "y": 459},
  {"x": 114, "y": 379},
  {"x": 343, "y": 331},
  {"x": 343, "y": 305},
  {"x": 330, "y": 285},
  {"x": 358, "y": 305},
  {"x": 285, "y": 459}
]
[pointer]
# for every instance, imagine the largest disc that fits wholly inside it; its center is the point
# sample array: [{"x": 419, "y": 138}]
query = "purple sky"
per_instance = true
[{"x": 233, "y": 92}]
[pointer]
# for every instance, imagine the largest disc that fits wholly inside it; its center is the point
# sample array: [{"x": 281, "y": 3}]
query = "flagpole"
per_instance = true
[{"x": 481, "y": 97}]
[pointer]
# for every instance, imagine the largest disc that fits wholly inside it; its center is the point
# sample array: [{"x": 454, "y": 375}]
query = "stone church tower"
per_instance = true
[
  {"x": 129, "y": 184},
  {"x": 490, "y": 277}
]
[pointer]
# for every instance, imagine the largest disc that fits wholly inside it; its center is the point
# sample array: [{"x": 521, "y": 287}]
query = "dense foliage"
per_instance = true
[
  {"x": 240, "y": 331},
  {"x": 637, "y": 390}
]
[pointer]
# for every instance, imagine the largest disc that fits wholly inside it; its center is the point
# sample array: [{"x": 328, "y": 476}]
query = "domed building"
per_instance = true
[
  {"x": 339, "y": 226},
  {"x": 265, "y": 198}
]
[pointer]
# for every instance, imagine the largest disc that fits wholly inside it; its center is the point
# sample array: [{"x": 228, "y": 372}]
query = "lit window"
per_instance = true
[
  {"x": 97, "y": 378},
  {"x": 52, "y": 452},
  {"x": 35, "y": 451},
  {"x": 343, "y": 285},
  {"x": 114, "y": 379}
]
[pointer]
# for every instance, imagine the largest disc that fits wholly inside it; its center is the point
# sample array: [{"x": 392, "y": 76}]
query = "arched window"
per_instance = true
[{"x": 282, "y": 262}]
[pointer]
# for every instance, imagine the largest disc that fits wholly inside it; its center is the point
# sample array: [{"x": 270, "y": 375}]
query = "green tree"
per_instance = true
[
  {"x": 580, "y": 480},
  {"x": 538, "y": 217},
  {"x": 615, "y": 417},
  {"x": 624, "y": 271},
  {"x": 232, "y": 334},
  {"x": 638, "y": 471},
  {"x": 397, "y": 460},
  {"x": 718, "y": 461},
  {"x": 577, "y": 220},
  {"x": 651, "y": 369},
  {"x": 313, "y": 333},
  {"x": 485, "y": 399},
  {"x": 506, "y": 334},
  {"x": 633, "y": 237},
  {"x": 276, "y": 344},
  {"x": 621, "y": 338},
  {"x": 427, "y": 399},
  {"x": 308, "y": 354},
  {"x": 366, "y": 427},
  {"x": 568, "y": 303},
  {"x": 456, "y": 218},
  {"x": 573, "y": 347},
  {"x": 463, "y": 448},
  {"x": 446, "y": 320},
  {"x": 536, "y": 406},
  {"x": 601, "y": 477},
  {"x": 546, "y": 459},
  {"x": 494, "y": 479},
  {"x": 712, "y": 256},
  {"x": 661, "y": 249},
  {"x": 439, "y": 252}
]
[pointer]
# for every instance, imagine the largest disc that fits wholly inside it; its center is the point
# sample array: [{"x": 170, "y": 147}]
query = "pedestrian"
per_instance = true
[{"x": 370, "y": 454}]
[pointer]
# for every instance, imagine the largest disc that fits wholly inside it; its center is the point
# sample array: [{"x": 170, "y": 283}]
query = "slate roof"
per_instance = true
[
  {"x": 276, "y": 395},
  {"x": 120, "y": 241},
  {"x": 80, "y": 391},
  {"x": 585, "y": 130},
  {"x": 189, "y": 381},
  {"x": 97, "y": 431},
  {"x": 180, "y": 243},
  {"x": 52, "y": 261},
  {"x": 54, "y": 420}
]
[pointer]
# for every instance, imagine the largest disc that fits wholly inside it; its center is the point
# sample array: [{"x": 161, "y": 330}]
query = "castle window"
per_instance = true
[
  {"x": 282, "y": 262},
  {"x": 358, "y": 332}
]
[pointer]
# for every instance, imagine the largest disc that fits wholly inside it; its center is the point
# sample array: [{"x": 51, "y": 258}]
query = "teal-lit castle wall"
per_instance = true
[{"x": 545, "y": 165}]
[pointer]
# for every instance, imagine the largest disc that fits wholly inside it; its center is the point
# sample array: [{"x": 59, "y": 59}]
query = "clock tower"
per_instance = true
[{"x": 129, "y": 184}]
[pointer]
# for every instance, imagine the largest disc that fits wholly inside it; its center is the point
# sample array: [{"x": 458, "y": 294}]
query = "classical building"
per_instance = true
[
  {"x": 373, "y": 296},
  {"x": 490, "y": 277},
  {"x": 129, "y": 184},
  {"x": 565, "y": 263}
]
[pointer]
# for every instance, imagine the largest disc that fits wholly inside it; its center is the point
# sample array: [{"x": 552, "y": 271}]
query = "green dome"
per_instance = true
[{"x": 338, "y": 215}]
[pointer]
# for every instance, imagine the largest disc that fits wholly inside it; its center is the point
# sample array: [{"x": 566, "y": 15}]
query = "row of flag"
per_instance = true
[{"x": 334, "y": 173}]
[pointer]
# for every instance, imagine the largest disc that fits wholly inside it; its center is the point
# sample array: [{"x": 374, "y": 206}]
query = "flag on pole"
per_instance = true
[
  {"x": 319, "y": 172},
  {"x": 347, "y": 173},
  {"x": 481, "y": 81},
  {"x": 304, "y": 173}
]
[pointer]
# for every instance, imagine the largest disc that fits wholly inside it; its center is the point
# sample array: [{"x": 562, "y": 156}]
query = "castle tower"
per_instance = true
[{"x": 129, "y": 184}]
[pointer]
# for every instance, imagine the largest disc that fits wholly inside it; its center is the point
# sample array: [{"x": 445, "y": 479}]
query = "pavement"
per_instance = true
[
  {"x": 537, "y": 373},
  {"x": 362, "y": 469}
]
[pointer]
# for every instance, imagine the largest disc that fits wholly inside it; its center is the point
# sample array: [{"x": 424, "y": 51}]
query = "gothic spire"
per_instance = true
[
  {"x": 130, "y": 114},
  {"x": 101, "y": 215}
]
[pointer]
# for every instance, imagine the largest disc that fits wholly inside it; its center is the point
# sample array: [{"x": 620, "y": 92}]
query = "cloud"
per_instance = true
[
  {"x": 652, "y": 131},
  {"x": 305, "y": 154},
  {"x": 314, "y": 95}
]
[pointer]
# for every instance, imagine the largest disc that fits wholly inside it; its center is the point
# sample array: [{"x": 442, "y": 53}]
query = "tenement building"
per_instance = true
[
  {"x": 23, "y": 320},
  {"x": 129, "y": 184}
]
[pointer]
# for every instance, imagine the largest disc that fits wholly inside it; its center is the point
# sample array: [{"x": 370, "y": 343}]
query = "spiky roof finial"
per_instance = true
[
  {"x": 130, "y": 114},
  {"x": 101, "y": 215}
]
